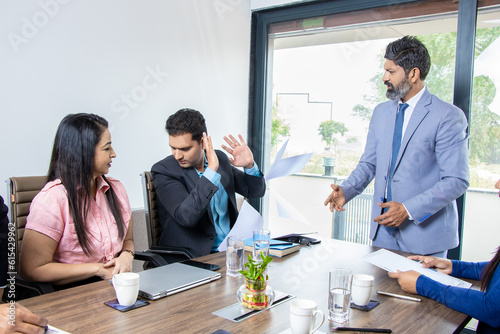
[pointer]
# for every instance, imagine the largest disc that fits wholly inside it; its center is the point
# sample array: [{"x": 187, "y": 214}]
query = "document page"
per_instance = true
[
  {"x": 283, "y": 167},
  {"x": 52, "y": 330},
  {"x": 248, "y": 220},
  {"x": 393, "y": 262}
]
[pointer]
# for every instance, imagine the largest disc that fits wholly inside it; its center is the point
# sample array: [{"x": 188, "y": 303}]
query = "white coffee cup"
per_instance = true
[
  {"x": 361, "y": 289},
  {"x": 303, "y": 316},
  {"x": 126, "y": 287}
]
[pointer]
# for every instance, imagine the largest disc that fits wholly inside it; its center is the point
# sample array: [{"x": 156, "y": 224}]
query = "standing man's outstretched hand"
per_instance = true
[
  {"x": 242, "y": 156},
  {"x": 336, "y": 199}
]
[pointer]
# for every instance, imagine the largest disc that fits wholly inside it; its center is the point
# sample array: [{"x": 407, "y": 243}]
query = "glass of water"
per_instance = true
[
  {"x": 261, "y": 241},
  {"x": 234, "y": 255},
  {"x": 339, "y": 295}
]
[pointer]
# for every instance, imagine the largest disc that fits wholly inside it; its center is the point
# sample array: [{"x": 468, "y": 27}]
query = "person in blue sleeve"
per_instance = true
[
  {"x": 482, "y": 305},
  {"x": 196, "y": 185}
]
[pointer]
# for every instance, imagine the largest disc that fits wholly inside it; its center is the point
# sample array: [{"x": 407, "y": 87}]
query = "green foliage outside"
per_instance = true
[
  {"x": 345, "y": 164},
  {"x": 328, "y": 129},
  {"x": 279, "y": 129}
]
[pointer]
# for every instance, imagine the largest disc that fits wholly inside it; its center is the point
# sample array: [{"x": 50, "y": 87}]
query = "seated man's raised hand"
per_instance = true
[{"x": 242, "y": 155}]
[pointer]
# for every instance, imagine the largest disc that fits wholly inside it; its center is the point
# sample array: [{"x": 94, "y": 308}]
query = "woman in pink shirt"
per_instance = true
[{"x": 80, "y": 224}]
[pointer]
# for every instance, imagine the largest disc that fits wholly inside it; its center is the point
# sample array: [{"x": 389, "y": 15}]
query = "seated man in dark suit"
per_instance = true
[{"x": 196, "y": 185}]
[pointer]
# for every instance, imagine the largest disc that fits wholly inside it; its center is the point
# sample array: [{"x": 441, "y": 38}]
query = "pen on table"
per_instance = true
[
  {"x": 370, "y": 330},
  {"x": 399, "y": 296}
]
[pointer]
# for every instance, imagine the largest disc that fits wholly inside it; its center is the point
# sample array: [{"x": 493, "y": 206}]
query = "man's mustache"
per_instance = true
[{"x": 388, "y": 84}]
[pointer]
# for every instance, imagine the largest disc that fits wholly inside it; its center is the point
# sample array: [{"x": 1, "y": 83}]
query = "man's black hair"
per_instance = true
[
  {"x": 408, "y": 52},
  {"x": 186, "y": 121}
]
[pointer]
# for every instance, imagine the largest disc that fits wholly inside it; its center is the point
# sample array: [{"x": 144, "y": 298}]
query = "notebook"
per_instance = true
[
  {"x": 175, "y": 277},
  {"x": 277, "y": 248}
]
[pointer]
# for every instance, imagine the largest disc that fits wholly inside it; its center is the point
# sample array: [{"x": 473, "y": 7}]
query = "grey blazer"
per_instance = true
[{"x": 432, "y": 171}]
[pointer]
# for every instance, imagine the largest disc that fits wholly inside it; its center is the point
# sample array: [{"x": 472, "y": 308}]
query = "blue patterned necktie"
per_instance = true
[{"x": 396, "y": 144}]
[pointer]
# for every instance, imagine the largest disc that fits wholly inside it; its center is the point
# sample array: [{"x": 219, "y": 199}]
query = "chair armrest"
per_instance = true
[
  {"x": 40, "y": 287},
  {"x": 172, "y": 250},
  {"x": 155, "y": 259}
]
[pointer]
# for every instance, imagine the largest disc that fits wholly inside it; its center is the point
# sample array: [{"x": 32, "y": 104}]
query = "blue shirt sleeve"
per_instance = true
[
  {"x": 471, "y": 270},
  {"x": 213, "y": 176},
  {"x": 484, "y": 306},
  {"x": 254, "y": 171}
]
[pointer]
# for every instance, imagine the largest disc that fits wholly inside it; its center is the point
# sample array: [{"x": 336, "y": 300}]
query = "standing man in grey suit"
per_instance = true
[
  {"x": 417, "y": 152},
  {"x": 196, "y": 185}
]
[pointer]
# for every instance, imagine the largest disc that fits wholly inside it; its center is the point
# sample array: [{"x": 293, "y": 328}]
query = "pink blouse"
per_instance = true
[{"x": 50, "y": 215}]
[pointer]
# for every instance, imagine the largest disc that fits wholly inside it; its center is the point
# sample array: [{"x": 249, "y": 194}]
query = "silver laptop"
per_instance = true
[{"x": 172, "y": 278}]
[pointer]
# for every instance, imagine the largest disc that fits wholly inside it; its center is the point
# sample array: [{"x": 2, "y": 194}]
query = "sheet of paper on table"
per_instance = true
[
  {"x": 393, "y": 262},
  {"x": 52, "y": 330}
]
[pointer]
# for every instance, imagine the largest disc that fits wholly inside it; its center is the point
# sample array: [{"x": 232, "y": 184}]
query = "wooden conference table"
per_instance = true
[{"x": 303, "y": 274}]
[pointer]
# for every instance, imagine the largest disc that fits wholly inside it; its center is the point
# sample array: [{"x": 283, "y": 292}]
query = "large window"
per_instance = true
[
  {"x": 481, "y": 226},
  {"x": 318, "y": 77},
  {"x": 326, "y": 75}
]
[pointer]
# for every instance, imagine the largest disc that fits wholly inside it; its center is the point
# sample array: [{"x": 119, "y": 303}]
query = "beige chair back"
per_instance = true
[
  {"x": 151, "y": 209},
  {"x": 22, "y": 190}
]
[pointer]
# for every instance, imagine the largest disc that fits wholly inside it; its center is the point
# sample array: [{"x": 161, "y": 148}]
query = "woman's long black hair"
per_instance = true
[
  {"x": 489, "y": 270},
  {"x": 72, "y": 162}
]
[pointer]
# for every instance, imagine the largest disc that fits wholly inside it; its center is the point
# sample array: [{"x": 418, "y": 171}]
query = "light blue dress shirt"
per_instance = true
[{"x": 220, "y": 201}]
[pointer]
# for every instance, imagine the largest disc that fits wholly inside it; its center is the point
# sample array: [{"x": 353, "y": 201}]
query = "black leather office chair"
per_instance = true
[{"x": 170, "y": 254}]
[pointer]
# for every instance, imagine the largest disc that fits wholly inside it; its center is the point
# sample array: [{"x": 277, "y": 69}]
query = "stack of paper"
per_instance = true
[{"x": 393, "y": 262}]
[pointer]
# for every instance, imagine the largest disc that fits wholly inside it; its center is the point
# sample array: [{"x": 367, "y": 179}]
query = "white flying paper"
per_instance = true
[
  {"x": 287, "y": 166},
  {"x": 248, "y": 220},
  {"x": 287, "y": 210}
]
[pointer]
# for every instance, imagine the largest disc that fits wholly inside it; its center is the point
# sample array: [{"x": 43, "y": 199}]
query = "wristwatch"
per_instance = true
[{"x": 126, "y": 250}]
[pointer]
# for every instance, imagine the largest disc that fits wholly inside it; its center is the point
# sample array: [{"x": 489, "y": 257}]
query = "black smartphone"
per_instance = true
[
  {"x": 298, "y": 239},
  {"x": 114, "y": 304},
  {"x": 202, "y": 265}
]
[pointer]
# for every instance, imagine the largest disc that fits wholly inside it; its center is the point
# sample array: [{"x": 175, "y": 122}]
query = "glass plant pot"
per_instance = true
[{"x": 255, "y": 295}]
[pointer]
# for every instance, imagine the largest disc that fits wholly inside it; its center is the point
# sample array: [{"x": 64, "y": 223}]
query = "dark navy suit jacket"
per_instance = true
[{"x": 184, "y": 201}]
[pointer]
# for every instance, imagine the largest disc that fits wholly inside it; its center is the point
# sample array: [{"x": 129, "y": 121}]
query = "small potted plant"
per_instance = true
[{"x": 255, "y": 294}]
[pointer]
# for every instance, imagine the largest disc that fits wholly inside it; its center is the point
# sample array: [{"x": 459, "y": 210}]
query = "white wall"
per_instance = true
[
  {"x": 481, "y": 228},
  {"x": 133, "y": 62}
]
